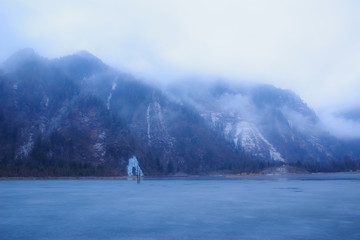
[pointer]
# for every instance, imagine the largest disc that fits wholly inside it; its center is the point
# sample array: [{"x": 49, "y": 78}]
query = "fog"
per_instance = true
[
  {"x": 310, "y": 47},
  {"x": 340, "y": 126}
]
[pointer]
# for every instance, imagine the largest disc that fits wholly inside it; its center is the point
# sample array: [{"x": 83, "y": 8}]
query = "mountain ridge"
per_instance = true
[{"x": 76, "y": 116}]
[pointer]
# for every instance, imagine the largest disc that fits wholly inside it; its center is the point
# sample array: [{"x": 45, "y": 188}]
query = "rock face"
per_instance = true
[
  {"x": 77, "y": 116},
  {"x": 264, "y": 122}
]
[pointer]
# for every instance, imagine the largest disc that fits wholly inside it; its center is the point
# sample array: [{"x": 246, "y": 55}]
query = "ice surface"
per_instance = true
[{"x": 316, "y": 206}]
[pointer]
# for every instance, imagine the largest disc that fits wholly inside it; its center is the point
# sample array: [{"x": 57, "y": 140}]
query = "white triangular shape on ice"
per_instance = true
[{"x": 133, "y": 163}]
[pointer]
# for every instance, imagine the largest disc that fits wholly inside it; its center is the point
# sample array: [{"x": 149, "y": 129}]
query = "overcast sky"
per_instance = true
[{"x": 311, "y": 47}]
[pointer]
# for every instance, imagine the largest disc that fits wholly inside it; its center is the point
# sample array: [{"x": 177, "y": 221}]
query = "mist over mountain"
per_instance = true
[
  {"x": 77, "y": 116},
  {"x": 352, "y": 114}
]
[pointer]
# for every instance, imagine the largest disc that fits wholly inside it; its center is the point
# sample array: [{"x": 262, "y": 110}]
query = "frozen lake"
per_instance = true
[{"x": 317, "y": 206}]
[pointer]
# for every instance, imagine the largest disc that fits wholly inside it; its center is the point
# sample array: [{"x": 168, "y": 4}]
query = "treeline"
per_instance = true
[
  {"x": 345, "y": 164},
  {"x": 46, "y": 167},
  {"x": 53, "y": 168}
]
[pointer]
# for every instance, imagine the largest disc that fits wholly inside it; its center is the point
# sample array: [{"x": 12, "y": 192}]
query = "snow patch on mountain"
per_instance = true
[
  {"x": 275, "y": 155},
  {"x": 157, "y": 109},
  {"x": 27, "y": 147},
  {"x": 215, "y": 118},
  {"x": 46, "y": 101},
  {"x": 157, "y": 132},
  {"x": 99, "y": 148},
  {"x": 108, "y": 101},
  {"x": 110, "y": 95},
  {"x": 250, "y": 138},
  {"x": 315, "y": 141},
  {"x": 113, "y": 86},
  {"x": 243, "y": 134},
  {"x": 227, "y": 129},
  {"x": 102, "y": 135},
  {"x": 148, "y": 124}
]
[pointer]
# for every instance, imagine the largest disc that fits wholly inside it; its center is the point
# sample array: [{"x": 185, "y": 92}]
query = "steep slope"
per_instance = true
[
  {"x": 75, "y": 115},
  {"x": 51, "y": 128},
  {"x": 266, "y": 122}
]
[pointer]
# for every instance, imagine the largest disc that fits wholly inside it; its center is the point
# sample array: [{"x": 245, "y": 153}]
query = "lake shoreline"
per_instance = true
[{"x": 172, "y": 176}]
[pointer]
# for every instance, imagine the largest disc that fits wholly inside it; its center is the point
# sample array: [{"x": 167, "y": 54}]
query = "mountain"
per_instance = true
[{"x": 76, "y": 116}]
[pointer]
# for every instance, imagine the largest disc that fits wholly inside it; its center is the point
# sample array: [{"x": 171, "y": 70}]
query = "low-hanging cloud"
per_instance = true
[
  {"x": 311, "y": 47},
  {"x": 339, "y": 126}
]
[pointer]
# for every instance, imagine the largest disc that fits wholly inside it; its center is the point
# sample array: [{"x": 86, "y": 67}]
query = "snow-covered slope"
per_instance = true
[
  {"x": 261, "y": 120},
  {"x": 77, "y": 116},
  {"x": 244, "y": 135}
]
